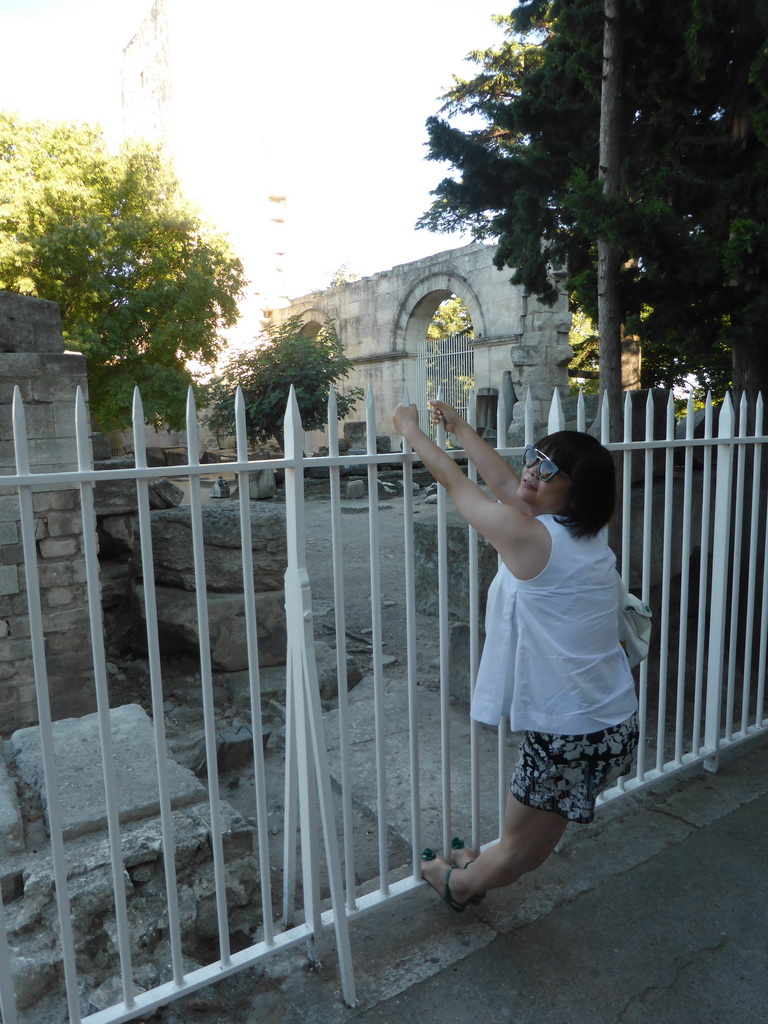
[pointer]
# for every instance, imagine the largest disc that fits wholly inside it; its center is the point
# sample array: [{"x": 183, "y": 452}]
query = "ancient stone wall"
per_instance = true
[
  {"x": 381, "y": 319},
  {"x": 32, "y": 356}
]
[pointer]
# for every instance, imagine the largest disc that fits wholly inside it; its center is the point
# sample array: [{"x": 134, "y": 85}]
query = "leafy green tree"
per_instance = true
[
  {"x": 344, "y": 275},
  {"x": 584, "y": 367},
  {"x": 451, "y": 317},
  {"x": 285, "y": 354},
  {"x": 142, "y": 283},
  {"x": 690, "y": 215}
]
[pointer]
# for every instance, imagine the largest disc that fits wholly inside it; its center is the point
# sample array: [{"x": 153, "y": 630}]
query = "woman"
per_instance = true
[{"x": 552, "y": 661}]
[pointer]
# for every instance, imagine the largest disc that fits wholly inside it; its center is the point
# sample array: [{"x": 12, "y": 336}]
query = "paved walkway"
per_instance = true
[{"x": 656, "y": 914}]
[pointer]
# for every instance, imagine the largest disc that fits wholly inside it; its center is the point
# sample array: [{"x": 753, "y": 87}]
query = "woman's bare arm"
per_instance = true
[
  {"x": 521, "y": 541},
  {"x": 495, "y": 471}
]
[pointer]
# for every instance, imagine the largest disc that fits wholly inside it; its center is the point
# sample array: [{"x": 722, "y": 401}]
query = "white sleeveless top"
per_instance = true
[{"x": 552, "y": 661}]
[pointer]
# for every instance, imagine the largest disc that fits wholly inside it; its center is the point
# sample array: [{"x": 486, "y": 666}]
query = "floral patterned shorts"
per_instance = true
[{"x": 564, "y": 774}]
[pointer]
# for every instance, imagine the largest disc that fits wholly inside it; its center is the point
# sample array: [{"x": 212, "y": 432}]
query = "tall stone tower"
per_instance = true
[
  {"x": 191, "y": 81},
  {"x": 32, "y": 357}
]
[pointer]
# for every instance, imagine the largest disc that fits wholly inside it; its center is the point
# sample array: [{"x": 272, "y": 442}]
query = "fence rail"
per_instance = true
[{"x": 691, "y": 538}]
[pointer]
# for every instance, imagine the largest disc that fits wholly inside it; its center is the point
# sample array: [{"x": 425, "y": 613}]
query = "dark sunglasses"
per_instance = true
[{"x": 545, "y": 467}]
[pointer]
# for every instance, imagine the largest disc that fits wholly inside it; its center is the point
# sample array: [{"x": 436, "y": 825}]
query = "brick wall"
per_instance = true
[{"x": 32, "y": 356}]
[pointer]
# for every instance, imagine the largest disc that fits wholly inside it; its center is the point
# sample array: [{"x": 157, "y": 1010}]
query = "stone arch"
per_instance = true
[
  {"x": 312, "y": 319},
  {"x": 419, "y": 304}
]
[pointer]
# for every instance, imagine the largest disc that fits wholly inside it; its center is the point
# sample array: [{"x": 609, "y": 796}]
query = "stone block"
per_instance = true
[
  {"x": 327, "y": 671},
  {"x": 354, "y": 489},
  {"x": 525, "y": 355},
  {"x": 13, "y": 554},
  {"x": 29, "y": 325},
  {"x": 7, "y": 458},
  {"x": 55, "y": 501},
  {"x": 63, "y": 414},
  {"x": 61, "y": 574},
  {"x": 52, "y": 455},
  {"x": 81, "y": 781},
  {"x": 11, "y": 830},
  {"x": 9, "y": 579},
  {"x": 19, "y": 627},
  {"x": 9, "y": 533},
  {"x": 9, "y": 381},
  {"x": 656, "y": 554},
  {"x": 64, "y": 524},
  {"x": 9, "y": 509},
  {"x": 115, "y": 580},
  {"x": 116, "y": 534},
  {"x": 178, "y": 627},
  {"x": 63, "y": 548},
  {"x": 234, "y": 747},
  {"x": 39, "y": 421},
  {"x": 61, "y": 597},
  {"x": 71, "y": 621},
  {"x": 426, "y": 569},
  {"x": 262, "y": 485},
  {"x": 164, "y": 494},
  {"x": 155, "y": 455},
  {"x": 172, "y": 546},
  {"x": 101, "y": 447},
  {"x": 459, "y": 643},
  {"x": 114, "y": 497},
  {"x": 175, "y": 456},
  {"x": 61, "y": 378}
]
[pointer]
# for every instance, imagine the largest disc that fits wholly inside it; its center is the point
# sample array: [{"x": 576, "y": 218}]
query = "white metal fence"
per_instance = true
[
  {"x": 693, "y": 532},
  {"x": 447, "y": 364}
]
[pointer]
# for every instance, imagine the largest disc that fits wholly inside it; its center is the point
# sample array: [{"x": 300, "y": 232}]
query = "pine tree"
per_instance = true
[{"x": 690, "y": 215}]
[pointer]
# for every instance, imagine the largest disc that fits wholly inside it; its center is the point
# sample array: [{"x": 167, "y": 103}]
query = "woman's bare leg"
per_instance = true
[
  {"x": 463, "y": 856},
  {"x": 528, "y": 837}
]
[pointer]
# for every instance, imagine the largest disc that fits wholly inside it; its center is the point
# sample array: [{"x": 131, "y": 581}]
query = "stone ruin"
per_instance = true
[
  {"x": 32, "y": 357},
  {"x": 27, "y": 870}
]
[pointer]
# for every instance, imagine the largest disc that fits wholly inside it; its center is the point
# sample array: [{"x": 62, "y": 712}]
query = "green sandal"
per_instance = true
[
  {"x": 448, "y": 900},
  {"x": 458, "y": 844}
]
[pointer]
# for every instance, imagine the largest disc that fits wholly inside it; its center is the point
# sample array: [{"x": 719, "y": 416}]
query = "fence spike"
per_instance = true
[
  {"x": 292, "y": 427},
  {"x": 137, "y": 421},
  {"x": 370, "y": 422},
  {"x": 725, "y": 419},
  {"x": 192, "y": 453},
  {"x": 333, "y": 419},
  {"x": 82, "y": 431},
  {"x": 241, "y": 435},
  {"x": 627, "y": 416},
  {"x": 555, "y": 420},
  {"x": 501, "y": 421},
  {"x": 20, "y": 443},
  {"x": 671, "y": 416}
]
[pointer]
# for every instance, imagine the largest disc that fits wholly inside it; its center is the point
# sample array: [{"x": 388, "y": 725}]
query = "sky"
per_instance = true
[{"x": 334, "y": 96}]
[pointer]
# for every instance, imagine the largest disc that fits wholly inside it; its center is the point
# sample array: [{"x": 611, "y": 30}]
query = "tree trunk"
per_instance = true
[
  {"x": 750, "y": 373},
  {"x": 609, "y": 310}
]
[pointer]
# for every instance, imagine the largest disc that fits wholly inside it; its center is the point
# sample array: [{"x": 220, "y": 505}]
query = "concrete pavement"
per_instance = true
[{"x": 658, "y": 912}]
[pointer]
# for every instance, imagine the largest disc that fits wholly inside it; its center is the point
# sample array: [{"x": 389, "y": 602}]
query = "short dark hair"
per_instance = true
[{"x": 590, "y": 466}]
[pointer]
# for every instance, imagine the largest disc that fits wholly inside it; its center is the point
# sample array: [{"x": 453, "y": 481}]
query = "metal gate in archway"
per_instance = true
[{"x": 446, "y": 363}]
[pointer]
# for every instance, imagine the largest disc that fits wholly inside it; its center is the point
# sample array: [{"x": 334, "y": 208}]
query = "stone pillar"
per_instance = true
[
  {"x": 32, "y": 356},
  {"x": 540, "y": 355}
]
